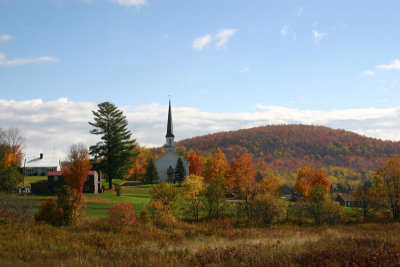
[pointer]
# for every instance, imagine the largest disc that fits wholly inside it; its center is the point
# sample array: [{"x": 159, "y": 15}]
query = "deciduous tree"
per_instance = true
[
  {"x": 309, "y": 177},
  {"x": 193, "y": 190},
  {"x": 113, "y": 153},
  {"x": 139, "y": 165},
  {"x": 76, "y": 167},
  {"x": 390, "y": 177},
  {"x": 214, "y": 197},
  {"x": 216, "y": 166},
  {"x": 241, "y": 173},
  {"x": 195, "y": 166}
]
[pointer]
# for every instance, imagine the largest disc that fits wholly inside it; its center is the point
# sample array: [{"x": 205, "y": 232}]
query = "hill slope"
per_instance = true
[{"x": 293, "y": 146}]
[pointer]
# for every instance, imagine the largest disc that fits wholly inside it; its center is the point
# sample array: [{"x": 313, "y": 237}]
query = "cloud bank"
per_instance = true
[{"x": 51, "y": 126}]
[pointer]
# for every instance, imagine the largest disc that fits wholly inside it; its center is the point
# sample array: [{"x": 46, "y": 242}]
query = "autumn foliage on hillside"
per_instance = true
[{"x": 295, "y": 146}]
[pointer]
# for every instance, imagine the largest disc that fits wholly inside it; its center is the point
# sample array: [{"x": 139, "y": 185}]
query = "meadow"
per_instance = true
[
  {"x": 202, "y": 244},
  {"x": 179, "y": 242}
]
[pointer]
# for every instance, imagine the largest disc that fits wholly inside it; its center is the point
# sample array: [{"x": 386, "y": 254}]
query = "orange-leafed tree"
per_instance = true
[
  {"x": 196, "y": 166},
  {"x": 241, "y": 173},
  {"x": 309, "y": 177},
  {"x": 77, "y": 167},
  {"x": 13, "y": 142},
  {"x": 266, "y": 180},
  {"x": 140, "y": 162},
  {"x": 216, "y": 166}
]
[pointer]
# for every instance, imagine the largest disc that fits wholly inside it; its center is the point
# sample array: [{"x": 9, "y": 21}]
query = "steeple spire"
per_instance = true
[
  {"x": 170, "y": 130},
  {"x": 169, "y": 138}
]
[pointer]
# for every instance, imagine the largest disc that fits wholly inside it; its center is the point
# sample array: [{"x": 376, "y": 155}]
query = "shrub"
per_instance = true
[
  {"x": 333, "y": 213},
  {"x": 68, "y": 209},
  {"x": 118, "y": 189},
  {"x": 121, "y": 215},
  {"x": 166, "y": 193},
  {"x": 49, "y": 213},
  {"x": 162, "y": 214},
  {"x": 267, "y": 208},
  {"x": 144, "y": 216}
]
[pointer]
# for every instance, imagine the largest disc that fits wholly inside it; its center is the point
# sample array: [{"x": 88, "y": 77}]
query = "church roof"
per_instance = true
[{"x": 170, "y": 130}]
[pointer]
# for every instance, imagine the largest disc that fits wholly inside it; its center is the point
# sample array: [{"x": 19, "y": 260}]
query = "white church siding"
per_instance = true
[{"x": 167, "y": 160}]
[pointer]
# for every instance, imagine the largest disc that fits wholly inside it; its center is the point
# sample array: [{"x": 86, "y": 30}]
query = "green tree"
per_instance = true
[
  {"x": 179, "y": 174},
  {"x": 214, "y": 197},
  {"x": 151, "y": 172},
  {"x": 113, "y": 153},
  {"x": 316, "y": 201},
  {"x": 364, "y": 197}
]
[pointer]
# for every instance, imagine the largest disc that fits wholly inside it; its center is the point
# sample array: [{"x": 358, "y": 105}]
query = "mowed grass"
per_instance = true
[{"x": 98, "y": 204}]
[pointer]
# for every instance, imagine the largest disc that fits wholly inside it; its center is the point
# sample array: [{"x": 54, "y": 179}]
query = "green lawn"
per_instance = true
[{"x": 98, "y": 204}]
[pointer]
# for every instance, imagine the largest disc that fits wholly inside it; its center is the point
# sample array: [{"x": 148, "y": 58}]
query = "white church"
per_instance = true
[{"x": 166, "y": 164}]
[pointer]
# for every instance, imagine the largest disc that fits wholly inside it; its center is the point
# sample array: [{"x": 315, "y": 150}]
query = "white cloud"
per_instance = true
[
  {"x": 201, "y": 42},
  {"x": 285, "y": 30},
  {"x": 166, "y": 36},
  {"x": 49, "y": 124},
  {"x": 318, "y": 36},
  {"x": 395, "y": 65},
  {"x": 368, "y": 73},
  {"x": 223, "y": 37},
  {"x": 245, "y": 70},
  {"x": 300, "y": 11},
  {"x": 4, "y": 61},
  {"x": 129, "y": 3},
  {"x": 5, "y": 38}
]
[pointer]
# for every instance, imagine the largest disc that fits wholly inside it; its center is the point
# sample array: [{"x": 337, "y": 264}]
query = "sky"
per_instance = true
[{"x": 225, "y": 64}]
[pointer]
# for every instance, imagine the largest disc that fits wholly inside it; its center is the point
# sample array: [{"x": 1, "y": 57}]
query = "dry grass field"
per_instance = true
[{"x": 218, "y": 243}]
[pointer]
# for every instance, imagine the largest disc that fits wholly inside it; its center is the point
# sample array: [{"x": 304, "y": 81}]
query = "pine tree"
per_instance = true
[
  {"x": 151, "y": 172},
  {"x": 179, "y": 174},
  {"x": 112, "y": 154}
]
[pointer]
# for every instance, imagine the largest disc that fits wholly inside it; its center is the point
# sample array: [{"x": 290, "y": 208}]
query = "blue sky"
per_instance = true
[
  {"x": 216, "y": 57},
  {"x": 303, "y": 54}
]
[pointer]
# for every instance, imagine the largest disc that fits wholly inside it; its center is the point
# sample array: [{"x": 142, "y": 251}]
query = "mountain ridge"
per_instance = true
[{"x": 292, "y": 146}]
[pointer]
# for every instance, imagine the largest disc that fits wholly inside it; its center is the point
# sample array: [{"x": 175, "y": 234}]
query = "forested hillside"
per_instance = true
[{"x": 293, "y": 146}]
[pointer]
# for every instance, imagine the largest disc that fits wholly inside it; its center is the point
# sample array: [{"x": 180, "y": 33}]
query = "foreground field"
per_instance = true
[{"x": 203, "y": 244}]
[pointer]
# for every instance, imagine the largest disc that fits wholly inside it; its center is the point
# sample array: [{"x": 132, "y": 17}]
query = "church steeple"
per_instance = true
[
  {"x": 169, "y": 146},
  {"x": 170, "y": 129}
]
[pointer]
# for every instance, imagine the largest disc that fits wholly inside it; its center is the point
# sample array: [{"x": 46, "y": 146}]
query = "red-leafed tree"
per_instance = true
[
  {"x": 196, "y": 166},
  {"x": 77, "y": 167}
]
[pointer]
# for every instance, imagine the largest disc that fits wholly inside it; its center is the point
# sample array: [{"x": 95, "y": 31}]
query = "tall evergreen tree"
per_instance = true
[
  {"x": 151, "y": 172},
  {"x": 112, "y": 154},
  {"x": 179, "y": 174}
]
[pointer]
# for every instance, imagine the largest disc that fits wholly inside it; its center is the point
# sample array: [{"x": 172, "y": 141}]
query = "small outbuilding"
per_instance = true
[
  {"x": 347, "y": 200},
  {"x": 56, "y": 180}
]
